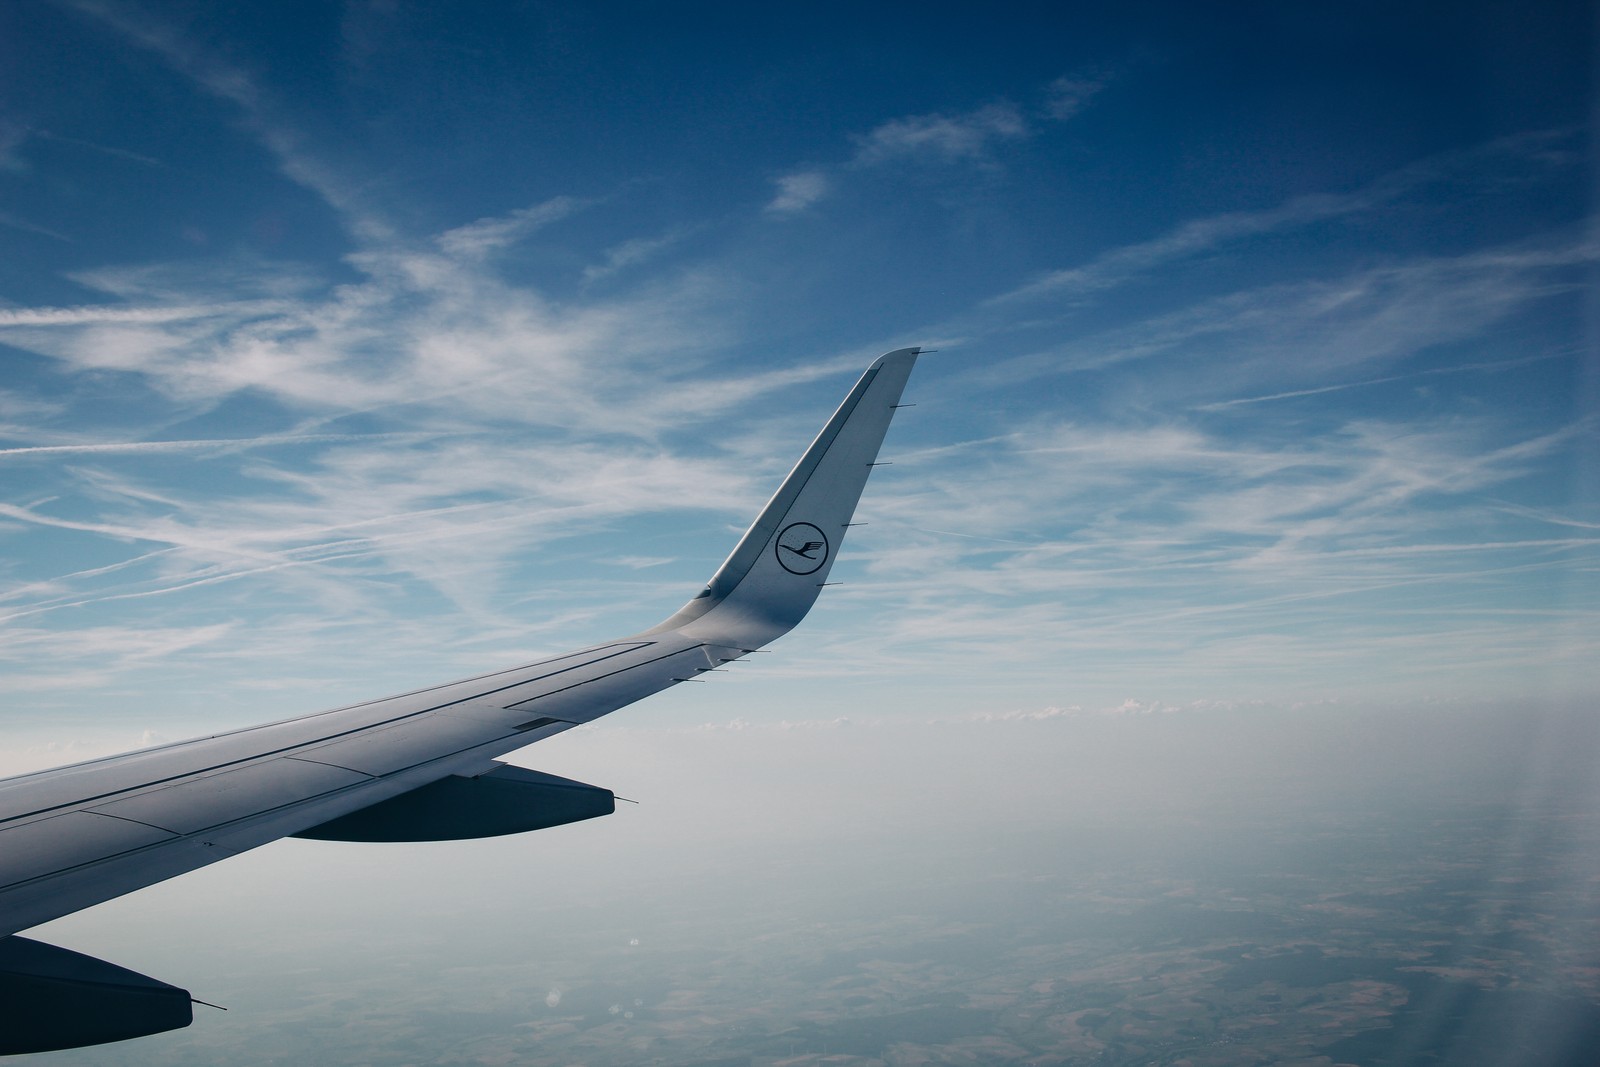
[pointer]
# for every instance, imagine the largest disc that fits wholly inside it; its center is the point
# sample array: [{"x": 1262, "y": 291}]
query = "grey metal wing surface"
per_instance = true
[{"x": 416, "y": 766}]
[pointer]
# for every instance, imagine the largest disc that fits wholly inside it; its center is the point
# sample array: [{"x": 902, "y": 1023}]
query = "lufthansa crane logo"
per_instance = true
[{"x": 802, "y": 548}]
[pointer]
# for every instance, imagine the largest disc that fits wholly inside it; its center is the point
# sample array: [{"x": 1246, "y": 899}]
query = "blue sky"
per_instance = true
[
  {"x": 351, "y": 347},
  {"x": 348, "y": 347}
]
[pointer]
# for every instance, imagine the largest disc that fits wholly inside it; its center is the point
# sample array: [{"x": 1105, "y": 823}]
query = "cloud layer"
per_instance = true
[{"x": 1266, "y": 445}]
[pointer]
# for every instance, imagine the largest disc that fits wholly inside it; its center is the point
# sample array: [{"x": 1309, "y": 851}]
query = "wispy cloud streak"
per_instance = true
[
  {"x": 941, "y": 136},
  {"x": 220, "y": 444},
  {"x": 1200, "y": 236},
  {"x": 256, "y": 110}
]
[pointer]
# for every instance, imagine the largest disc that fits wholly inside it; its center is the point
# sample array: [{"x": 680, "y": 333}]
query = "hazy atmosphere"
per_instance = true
[{"x": 1214, "y": 681}]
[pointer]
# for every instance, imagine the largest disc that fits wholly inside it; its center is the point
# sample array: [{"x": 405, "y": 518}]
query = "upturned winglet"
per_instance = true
[{"x": 774, "y": 574}]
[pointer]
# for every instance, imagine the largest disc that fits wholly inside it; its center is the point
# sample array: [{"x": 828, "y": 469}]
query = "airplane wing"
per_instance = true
[{"x": 419, "y": 766}]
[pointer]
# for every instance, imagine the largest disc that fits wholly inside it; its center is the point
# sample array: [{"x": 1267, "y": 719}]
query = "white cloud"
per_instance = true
[
  {"x": 486, "y": 235},
  {"x": 936, "y": 136},
  {"x": 106, "y": 150},
  {"x": 451, "y": 514},
  {"x": 256, "y": 109},
  {"x": 1066, "y": 96},
  {"x": 1199, "y": 236},
  {"x": 13, "y": 222},
  {"x": 1074, "y": 550},
  {"x": 1189, "y": 239},
  {"x": 1282, "y": 334},
  {"x": 798, "y": 191},
  {"x": 943, "y": 137},
  {"x": 1186, "y": 556},
  {"x": 12, "y": 135},
  {"x": 642, "y": 562},
  {"x": 213, "y": 445},
  {"x": 421, "y": 328},
  {"x": 98, "y": 314},
  {"x": 630, "y": 254}
]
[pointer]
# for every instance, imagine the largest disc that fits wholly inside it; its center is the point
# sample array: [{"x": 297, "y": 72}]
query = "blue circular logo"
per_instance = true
[{"x": 802, "y": 548}]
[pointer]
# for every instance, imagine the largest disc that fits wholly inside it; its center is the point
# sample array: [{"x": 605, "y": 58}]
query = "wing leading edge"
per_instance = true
[{"x": 415, "y": 766}]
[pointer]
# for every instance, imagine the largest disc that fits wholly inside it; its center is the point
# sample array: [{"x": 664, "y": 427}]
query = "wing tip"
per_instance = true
[
  {"x": 837, "y": 501},
  {"x": 899, "y": 354}
]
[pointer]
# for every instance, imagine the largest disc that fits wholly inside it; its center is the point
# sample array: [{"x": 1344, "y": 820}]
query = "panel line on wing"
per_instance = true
[
  {"x": 316, "y": 742},
  {"x": 609, "y": 674},
  {"x": 622, "y": 648},
  {"x": 205, "y": 803},
  {"x": 74, "y": 839}
]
